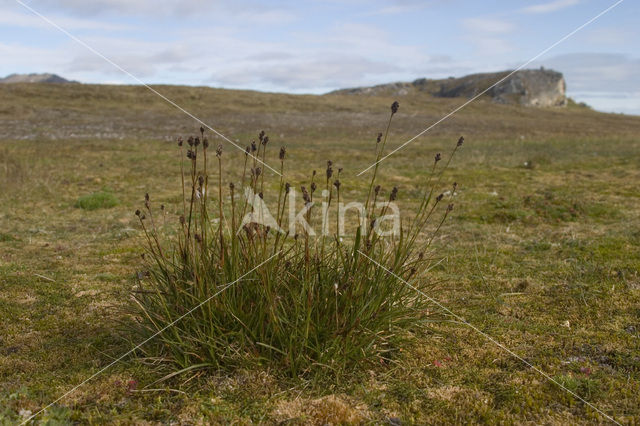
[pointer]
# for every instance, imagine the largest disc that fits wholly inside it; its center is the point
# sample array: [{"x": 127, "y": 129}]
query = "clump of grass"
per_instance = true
[
  {"x": 97, "y": 200},
  {"x": 233, "y": 292}
]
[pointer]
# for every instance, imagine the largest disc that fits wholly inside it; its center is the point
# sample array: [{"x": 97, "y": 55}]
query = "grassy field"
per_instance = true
[{"x": 542, "y": 253}]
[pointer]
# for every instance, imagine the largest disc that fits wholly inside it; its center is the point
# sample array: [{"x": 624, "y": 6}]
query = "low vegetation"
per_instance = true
[{"x": 542, "y": 252}]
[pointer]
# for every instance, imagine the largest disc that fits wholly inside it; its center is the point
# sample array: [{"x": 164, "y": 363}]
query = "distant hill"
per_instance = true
[
  {"x": 35, "y": 78},
  {"x": 539, "y": 87}
]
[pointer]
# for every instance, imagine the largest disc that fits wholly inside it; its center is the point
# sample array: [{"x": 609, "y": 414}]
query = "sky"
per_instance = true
[{"x": 316, "y": 46}]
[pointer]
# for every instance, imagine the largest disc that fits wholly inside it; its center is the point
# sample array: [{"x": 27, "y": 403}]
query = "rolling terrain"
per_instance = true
[{"x": 541, "y": 252}]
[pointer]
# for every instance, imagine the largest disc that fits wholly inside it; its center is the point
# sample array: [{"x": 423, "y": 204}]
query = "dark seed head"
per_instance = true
[
  {"x": 247, "y": 150},
  {"x": 379, "y": 138},
  {"x": 138, "y": 212},
  {"x": 455, "y": 186},
  {"x": 180, "y": 141},
  {"x": 450, "y": 207},
  {"x": 438, "y": 157},
  {"x": 261, "y": 195},
  {"x": 394, "y": 107},
  {"x": 205, "y": 143},
  {"x": 254, "y": 147},
  {"x": 313, "y": 187},
  {"x": 196, "y": 141},
  {"x": 329, "y": 169},
  {"x": 201, "y": 129},
  {"x": 376, "y": 189},
  {"x": 258, "y": 171},
  {"x": 265, "y": 140},
  {"x": 439, "y": 197},
  {"x": 231, "y": 186},
  {"x": 197, "y": 237},
  {"x": 337, "y": 183},
  {"x": 201, "y": 180},
  {"x": 394, "y": 194},
  {"x": 460, "y": 141},
  {"x": 287, "y": 187},
  {"x": 190, "y": 141},
  {"x": 261, "y": 135},
  {"x": 146, "y": 196},
  {"x": 182, "y": 220},
  {"x": 162, "y": 207},
  {"x": 219, "y": 151},
  {"x": 283, "y": 151}
]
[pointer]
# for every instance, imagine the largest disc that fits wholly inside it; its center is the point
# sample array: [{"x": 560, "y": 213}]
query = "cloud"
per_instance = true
[
  {"x": 251, "y": 10},
  {"x": 27, "y": 19},
  {"x": 598, "y": 72},
  {"x": 484, "y": 33},
  {"x": 305, "y": 73},
  {"x": 550, "y": 6},
  {"x": 488, "y": 25}
]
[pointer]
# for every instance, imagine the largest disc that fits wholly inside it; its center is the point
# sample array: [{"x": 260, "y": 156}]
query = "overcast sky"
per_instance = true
[{"x": 317, "y": 46}]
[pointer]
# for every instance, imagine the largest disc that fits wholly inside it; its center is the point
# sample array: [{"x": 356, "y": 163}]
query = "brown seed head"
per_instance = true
[
  {"x": 258, "y": 171},
  {"x": 439, "y": 197},
  {"x": 162, "y": 207},
  {"x": 231, "y": 186},
  {"x": 219, "y": 151},
  {"x": 460, "y": 141},
  {"x": 337, "y": 183},
  {"x": 313, "y": 187},
  {"x": 287, "y": 187},
  {"x": 394, "y": 107},
  {"x": 182, "y": 220},
  {"x": 205, "y": 143},
  {"x": 254, "y": 147},
  {"x": 247, "y": 150},
  {"x": 394, "y": 194},
  {"x": 438, "y": 157},
  {"x": 283, "y": 151},
  {"x": 196, "y": 141},
  {"x": 138, "y": 212},
  {"x": 197, "y": 237},
  {"x": 450, "y": 207},
  {"x": 261, "y": 135},
  {"x": 180, "y": 141},
  {"x": 201, "y": 180},
  {"x": 190, "y": 141},
  {"x": 261, "y": 195},
  {"x": 376, "y": 190},
  {"x": 455, "y": 186},
  {"x": 265, "y": 140},
  {"x": 379, "y": 138},
  {"x": 201, "y": 129}
]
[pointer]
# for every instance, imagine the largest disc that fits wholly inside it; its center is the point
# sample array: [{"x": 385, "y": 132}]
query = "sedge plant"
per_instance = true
[{"x": 223, "y": 291}]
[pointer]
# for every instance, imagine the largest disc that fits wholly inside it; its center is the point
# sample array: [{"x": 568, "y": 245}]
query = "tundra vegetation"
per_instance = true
[{"x": 541, "y": 251}]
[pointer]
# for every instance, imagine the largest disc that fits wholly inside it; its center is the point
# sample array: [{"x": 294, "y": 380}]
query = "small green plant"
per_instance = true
[
  {"x": 248, "y": 289},
  {"x": 97, "y": 200}
]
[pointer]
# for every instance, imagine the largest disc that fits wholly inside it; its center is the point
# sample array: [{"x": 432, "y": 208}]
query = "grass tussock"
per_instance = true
[
  {"x": 97, "y": 200},
  {"x": 231, "y": 285}
]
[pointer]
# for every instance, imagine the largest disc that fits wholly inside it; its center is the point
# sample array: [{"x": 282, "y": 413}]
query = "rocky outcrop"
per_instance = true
[
  {"x": 538, "y": 87},
  {"x": 34, "y": 78}
]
